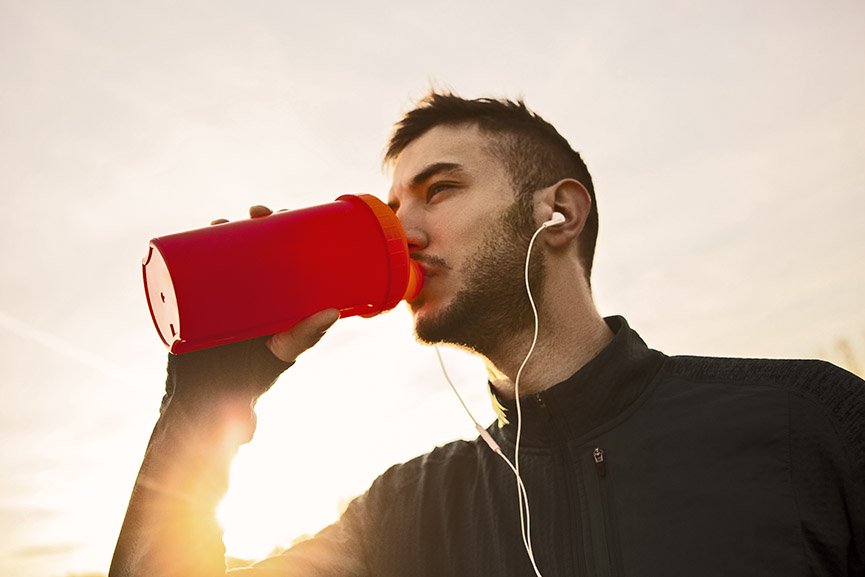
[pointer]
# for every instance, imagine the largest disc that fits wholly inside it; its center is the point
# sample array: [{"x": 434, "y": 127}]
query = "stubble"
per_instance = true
[{"x": 492, "y": 306}]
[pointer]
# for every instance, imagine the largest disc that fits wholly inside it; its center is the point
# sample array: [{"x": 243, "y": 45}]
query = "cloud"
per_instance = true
[
  {"x": 47, "y": 550},
  {"x": 63, "y": 347}
]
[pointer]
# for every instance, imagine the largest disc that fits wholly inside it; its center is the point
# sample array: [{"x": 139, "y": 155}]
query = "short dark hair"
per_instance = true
[{"x": 533, "y": 152}]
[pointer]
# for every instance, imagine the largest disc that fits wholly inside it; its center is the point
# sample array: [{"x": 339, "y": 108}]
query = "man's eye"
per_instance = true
[{"x": 438, "y": 187}]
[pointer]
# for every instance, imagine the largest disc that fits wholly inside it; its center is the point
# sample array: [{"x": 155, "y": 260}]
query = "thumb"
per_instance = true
[{"x": 288, "y": 345}]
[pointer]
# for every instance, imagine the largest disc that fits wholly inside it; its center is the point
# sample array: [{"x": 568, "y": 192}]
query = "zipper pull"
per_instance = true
[
  {"x": 542, "y": 406},
  {"x": 598, "y": 454}
]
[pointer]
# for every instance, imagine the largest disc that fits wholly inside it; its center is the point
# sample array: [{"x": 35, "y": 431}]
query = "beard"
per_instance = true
[{"x": 493, "y": 305}]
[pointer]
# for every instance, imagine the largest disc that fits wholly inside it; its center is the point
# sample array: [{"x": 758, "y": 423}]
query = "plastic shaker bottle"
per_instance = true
[{"x": 238, "y": 280}]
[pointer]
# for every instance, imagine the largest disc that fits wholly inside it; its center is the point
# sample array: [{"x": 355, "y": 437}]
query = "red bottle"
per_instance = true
[{"x": 255, "y": 277}]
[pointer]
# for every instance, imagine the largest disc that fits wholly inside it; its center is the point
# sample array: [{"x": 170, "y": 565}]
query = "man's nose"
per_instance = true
[{"x": 414, "y": 231}]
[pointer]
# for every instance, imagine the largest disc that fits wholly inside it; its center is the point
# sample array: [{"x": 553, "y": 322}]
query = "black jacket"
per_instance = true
[{"x": 638, "y": 465}]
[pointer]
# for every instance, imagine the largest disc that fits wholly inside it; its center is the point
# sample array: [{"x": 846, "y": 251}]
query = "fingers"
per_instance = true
[
  {"x": 302, "y": 336},
  {"x": 257, "y": 211}
]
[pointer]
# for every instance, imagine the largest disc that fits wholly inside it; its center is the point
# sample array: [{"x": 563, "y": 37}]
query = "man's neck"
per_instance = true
[{"x": 565, "y": 344}]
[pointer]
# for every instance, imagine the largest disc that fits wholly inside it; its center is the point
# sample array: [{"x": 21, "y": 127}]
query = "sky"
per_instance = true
[{"x": 725, "y": 140}]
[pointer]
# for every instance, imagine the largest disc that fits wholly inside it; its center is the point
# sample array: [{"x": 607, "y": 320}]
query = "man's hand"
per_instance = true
[{"x": 302, "y": 336}]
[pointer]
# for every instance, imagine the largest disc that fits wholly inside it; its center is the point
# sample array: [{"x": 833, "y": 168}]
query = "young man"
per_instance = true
[{"x": 634, "y": 463}]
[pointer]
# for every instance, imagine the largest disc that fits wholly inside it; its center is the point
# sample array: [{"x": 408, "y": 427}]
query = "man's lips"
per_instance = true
[
  {"x": 430, "y": 264},
  {"x": 432, "y": 267}
]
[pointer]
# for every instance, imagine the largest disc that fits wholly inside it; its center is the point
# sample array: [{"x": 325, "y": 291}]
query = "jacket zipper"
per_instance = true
[
  {"x": 598, "y": 455},
  {"x": 610, "y": 564}
]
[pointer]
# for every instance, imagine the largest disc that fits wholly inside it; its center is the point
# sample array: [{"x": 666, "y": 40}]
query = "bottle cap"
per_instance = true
[{"x": 405, "y": 276}]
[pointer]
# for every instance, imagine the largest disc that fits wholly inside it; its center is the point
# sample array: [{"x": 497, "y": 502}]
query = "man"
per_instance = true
[{"x": 634, "y": 463}]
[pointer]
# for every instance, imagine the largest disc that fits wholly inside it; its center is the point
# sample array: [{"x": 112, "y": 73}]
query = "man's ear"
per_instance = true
[{"x": 569, "y": 198}]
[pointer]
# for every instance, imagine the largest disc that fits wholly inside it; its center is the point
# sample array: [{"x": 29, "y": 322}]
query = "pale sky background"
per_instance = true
[{"x": 726, "y": 140}]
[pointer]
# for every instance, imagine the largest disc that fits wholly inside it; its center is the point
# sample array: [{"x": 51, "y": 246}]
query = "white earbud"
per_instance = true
[{"x": 557, "y": 218}]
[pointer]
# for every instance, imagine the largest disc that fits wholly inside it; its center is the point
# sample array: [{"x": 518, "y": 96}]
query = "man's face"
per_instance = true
[{"x": 459, "y": 210}]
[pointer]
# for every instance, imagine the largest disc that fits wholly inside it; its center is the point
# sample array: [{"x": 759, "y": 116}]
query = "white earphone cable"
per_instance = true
[
  {"x": 525, "y": 525},
  {"x": 521, "y": 488}
]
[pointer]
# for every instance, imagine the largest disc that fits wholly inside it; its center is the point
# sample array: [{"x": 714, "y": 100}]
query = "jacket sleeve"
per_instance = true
[
  {"x": 828, "y": 464},
  {"x": 170, "y": 528},
  {"x": 848, "y": 407}
]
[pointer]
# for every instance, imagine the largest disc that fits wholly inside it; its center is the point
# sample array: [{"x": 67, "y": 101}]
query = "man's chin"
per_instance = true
[
  {"x": 427, "y": 314},
  {"x": 427, "y": 323},
  {"x": 425, "y": 328},
  {"x": 442, "y": 326}
]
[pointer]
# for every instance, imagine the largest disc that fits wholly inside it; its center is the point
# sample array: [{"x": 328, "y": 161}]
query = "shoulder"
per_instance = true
[
  {"x": 817, "y": 390},
  {"x": 420, "y": 488},
  {"x": 439, "y": 466},
  {"x": 822, "y": 382},
  {"x": 420, "y": 477}
]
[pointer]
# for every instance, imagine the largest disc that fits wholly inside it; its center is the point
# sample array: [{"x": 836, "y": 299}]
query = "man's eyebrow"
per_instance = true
[
  {"x": 433, "y": 170},
  {"x": 427, "y": 173}
]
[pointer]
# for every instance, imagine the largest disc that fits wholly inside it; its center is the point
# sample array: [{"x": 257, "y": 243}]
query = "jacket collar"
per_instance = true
[{"x": 598, "y": 392}]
